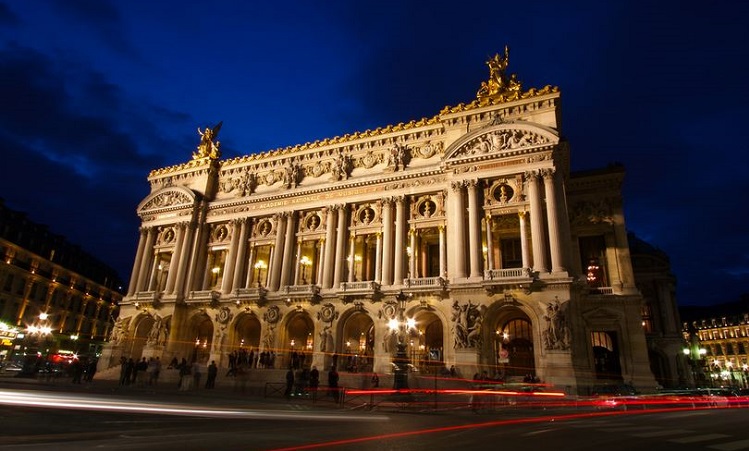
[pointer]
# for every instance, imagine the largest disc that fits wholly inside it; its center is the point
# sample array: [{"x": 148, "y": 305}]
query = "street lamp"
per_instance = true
[
  {"x": 260, "y": 265},
  {"x": 401, "y": 325},
  {"x": 37, "y": 332},
  {"x": 306, "y": 263}
]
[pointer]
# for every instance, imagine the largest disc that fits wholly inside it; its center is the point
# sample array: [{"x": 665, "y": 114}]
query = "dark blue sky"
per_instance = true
[{"x": 97, "y": 93}]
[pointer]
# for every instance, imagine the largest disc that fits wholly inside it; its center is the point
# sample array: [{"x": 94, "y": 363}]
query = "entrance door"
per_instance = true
[{"x": 606, "y": 356}]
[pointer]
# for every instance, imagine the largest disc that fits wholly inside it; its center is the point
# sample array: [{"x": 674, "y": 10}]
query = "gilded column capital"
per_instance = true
[{"x": 457, "y": 186}]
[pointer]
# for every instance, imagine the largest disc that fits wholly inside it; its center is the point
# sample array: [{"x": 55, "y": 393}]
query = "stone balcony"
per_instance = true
[
  {"x": 364, "y": 288},
  {"x": 425, "y": 284}
]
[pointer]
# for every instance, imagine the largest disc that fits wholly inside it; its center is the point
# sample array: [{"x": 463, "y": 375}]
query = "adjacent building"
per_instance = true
[
  {"x": 53, "y": 295},
  {"x": 463, "y": 237},
  {"x": 716, "y": 344}
]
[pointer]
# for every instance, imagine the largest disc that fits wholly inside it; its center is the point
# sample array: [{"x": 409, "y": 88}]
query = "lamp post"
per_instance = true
[
  {"x": 258, "y": 266},
  {"x": 401, "y": 325},
  {"x": 37, "y": 332},
  {"x": 306, "y": 263}
]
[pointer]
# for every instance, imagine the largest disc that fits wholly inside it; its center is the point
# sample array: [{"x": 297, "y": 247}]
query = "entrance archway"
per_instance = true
[
  {"x": 139, "y": 338},
  {"x": 201, "y": 331},
  {"x": 511, "y": 338},
  {"x": 298, "y": 341},
  {"x": 606, "y": 356},
  {"x": 246, "y": 333},
  {"x": 426, "y": 348},
  {"x": 357, "y": 343}
]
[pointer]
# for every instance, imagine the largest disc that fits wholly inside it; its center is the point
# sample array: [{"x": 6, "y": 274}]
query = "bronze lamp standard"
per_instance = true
[{"x": 402, "y": 326}]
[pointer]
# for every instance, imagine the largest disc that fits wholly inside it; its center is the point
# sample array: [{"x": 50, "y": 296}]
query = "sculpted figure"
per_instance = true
[{"x": 208, "y": 147}]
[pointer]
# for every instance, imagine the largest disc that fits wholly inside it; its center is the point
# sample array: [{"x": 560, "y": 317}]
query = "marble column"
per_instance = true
[
  {"x": 387, "y": 242},
  {"x": 328, "y": 267},
  {"x": 443, "y": 252},
  {"x": 288, "y": 251},
  {"x": 378, "y": 258},
  {"x": 555, "y": 245},
  {"x": 474, "y": 229},
  {"x": 524, "y": 240},
  {"x": 144, "y": 271},
  {"x": 241, "y": 262},
  {"x": 229, "y": 263},
  {"x": 340, "y": 245},
  {"x": 277, "y": 260},
  {"x": 171, "y": 278},
  {"x": 400, "y": 229},
  {"x": 538, "y": 236},
  {"x": 489, "y": 243},
  {"x": 184, "y": 259},
  {"x": 456, "y": 240},
  {"x": 351, "y": 258},
  {"x": 135, "y": 274}
]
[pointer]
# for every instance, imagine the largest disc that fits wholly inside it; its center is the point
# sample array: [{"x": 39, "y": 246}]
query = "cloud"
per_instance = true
[
  {"x": 87, "y": 146},
  {"x": 100, "y": 17},
  {"x": 7, "y": 17}
]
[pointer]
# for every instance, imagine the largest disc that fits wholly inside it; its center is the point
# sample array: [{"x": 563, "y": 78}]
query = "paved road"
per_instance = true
[{"x": 224, "y": 420}]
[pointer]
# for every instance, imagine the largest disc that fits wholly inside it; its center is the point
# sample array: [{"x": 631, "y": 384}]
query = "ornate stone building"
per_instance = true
[{"x": 463, "y": 236}]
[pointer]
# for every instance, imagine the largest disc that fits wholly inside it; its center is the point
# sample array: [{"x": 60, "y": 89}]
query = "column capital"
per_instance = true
[
  {"x": 548, "y": 173},
  {"x": 472, "y": 183},
  {"x": 457, "y": 186},
  {"x": 531, "y": 175}
]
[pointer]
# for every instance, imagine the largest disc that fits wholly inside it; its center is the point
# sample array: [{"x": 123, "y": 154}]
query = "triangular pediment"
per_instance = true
[
  {"x": 173, "y": 197},
  {"x": 504, "y": 138}
]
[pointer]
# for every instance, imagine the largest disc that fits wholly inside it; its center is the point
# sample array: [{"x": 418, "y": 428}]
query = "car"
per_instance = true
[{"x": 614, "y": 396}]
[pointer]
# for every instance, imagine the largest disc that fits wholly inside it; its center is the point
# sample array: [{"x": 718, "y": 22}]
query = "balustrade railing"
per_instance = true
[{"x": 508, "y": 273}]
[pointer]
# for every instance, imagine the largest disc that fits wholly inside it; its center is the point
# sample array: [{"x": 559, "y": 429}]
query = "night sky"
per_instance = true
[{"x": 95, "y": 94}]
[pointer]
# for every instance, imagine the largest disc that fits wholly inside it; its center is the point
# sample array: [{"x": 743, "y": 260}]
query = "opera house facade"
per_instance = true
[{"x": 462, "y": 238}]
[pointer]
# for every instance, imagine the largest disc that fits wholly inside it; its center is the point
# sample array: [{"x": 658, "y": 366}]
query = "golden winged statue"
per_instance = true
[{"x": 208, "y": 147}]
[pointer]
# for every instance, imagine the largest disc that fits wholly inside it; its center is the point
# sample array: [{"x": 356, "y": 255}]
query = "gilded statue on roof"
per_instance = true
[
  {"x": 500, "y": 85},
  {"x": 208, "y": 147}
]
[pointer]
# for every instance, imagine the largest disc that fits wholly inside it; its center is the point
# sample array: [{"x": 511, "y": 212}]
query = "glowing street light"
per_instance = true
[
  {"x": 306, "y": 263},
  {"x": 260, "y": 265}
]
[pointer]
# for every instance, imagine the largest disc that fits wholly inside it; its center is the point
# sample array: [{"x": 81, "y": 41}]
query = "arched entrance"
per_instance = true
[
  {"x": 606, "y": 356},
  {"x": 246, "y": 333},
  {"x": 244, "y": 341},
  {"x": 426, "y": 347},
  {"x": 139, "y": 338},
  {"x": 357, "y": 343},
  {"x": 298, "y": 342},
  {"x": 511, "y": 338},
  {"x": 201, "y": 331}
]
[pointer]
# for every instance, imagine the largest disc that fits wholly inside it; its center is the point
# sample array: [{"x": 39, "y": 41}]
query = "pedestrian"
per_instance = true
[
  {"x": 196, "y": 374},
  {"x": 333, "y": 383},
  {"x": 289, "y": 382},
  {"x": 212, "y": 372},
  {"x": 77, "y": 369},
  {"x": 314, "y": 379},
  {"x": 185, "y": 378},
  {"x": 375, "y": 380},
  {"x": 91, "y": 370},
  {"x": 154, "y": 368}
]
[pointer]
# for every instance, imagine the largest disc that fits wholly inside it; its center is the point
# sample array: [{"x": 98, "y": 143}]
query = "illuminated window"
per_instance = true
[
  {"x": 602, "y": 340},
  {"x": 593, "y": 255},
  {"x": 647, "y": 318}
]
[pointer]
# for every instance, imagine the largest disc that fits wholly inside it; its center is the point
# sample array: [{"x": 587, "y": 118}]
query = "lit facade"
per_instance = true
[
  {"x": 468, "y": 223},
  {"x": 51, "y": 292},
  {"x": 717, "y": 350}
]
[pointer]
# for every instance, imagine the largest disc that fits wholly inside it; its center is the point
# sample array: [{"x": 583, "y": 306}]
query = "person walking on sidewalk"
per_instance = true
[{"x": 212, "y": 373}]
